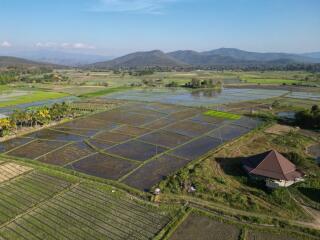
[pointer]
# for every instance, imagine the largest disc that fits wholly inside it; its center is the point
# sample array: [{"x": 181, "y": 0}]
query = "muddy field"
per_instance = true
[
  {"x": 136, "y": 143},
  {"x": 200, "y": 227}
]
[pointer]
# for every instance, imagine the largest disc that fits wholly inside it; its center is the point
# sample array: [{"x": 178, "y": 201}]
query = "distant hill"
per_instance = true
[
  {"x": 231, "y": 56},
  {"x": 66, "y": 58},
  {"x": 312, "y": 55},
  {"x": 6, "y": 62},
  {"x": 141, "y": 60},
  {"x": 223, "y": 57}
]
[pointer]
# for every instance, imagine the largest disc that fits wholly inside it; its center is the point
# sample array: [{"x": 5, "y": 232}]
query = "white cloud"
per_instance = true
[
  {"x": 64, "y": 45},
  {"x": 5, "y": 44},
  {"x": 144, "y": 6}
]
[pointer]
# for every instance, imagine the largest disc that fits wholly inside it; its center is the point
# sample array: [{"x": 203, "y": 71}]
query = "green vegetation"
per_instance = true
[
  {"x": 33, "y": 117},
  {"x": 219, "y": 114},
  {"x": 309, "y": 118},
  {"x": 206, "y": 83},
  {"x": 270, "y": 81},
  {"x": 104, "y": 92},
  {"x": 33, "y": 96}
]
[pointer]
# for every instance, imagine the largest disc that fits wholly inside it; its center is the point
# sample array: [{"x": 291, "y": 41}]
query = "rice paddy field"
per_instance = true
[
  {"x": 89, "y": 178},
  {"x": 200, "y": 225},
  {"x": 196, "y": 98},
  {"x": 36, "y": 204},
  {"x": 136, "y": 144}
]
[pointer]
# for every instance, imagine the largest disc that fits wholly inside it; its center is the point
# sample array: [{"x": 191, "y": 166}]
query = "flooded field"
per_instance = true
[
  {"x": 10, "y": 109},
  {"x": 138, "y": 144},
  {"x": 196, "y": 97}
]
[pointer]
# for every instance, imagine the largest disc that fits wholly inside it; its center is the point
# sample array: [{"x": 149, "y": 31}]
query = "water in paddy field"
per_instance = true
[
  {"x": 10, "y": 109},
  {"x": 196, "y": 97}
]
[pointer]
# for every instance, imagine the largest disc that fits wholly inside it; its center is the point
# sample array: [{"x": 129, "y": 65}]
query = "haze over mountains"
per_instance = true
[
  {"x": 228, "y": 57},
  {"x": 6, "y": 61},
  {"x": 71, "y": 59},
  {"x": 218, "y": 57}
]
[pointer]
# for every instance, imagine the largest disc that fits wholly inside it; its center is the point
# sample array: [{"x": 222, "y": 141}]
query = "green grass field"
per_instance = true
[
  {"x": 270, "y": 81},
  {"x": 225, "y": 115},
  {"x": 34, "y": 96}
]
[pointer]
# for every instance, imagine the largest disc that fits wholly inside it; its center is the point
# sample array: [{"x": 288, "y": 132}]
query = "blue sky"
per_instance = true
[{"x": 115, "y": 27}]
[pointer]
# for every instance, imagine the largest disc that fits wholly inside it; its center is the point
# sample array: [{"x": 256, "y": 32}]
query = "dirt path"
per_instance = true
[{"x": 315, "y": 214}]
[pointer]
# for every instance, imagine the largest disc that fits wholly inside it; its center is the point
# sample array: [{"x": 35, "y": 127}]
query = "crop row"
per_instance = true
[
  {"x": 84, "y": 213},
  {"x": 20, "y": 194}
]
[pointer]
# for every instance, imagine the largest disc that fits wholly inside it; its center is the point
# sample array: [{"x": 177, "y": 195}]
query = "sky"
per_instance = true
[{"x": 116, "y": 27}]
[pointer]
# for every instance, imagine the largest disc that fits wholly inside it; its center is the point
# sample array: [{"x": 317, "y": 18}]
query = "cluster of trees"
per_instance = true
[
  {"x": 45, "y": 78},
  {"x": 208, "y": 83},
  {"x": 309, "y": 118},
  {"x": 30, "y": 76},
  {"x": 34, "y": 117},
  {"x": 8, "y": 77},
  {"x": 141, "y": 72}
]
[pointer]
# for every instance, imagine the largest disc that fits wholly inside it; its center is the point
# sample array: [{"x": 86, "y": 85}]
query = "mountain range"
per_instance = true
[
  {"x": 71, "y": 59},
  {"x": 222, "y": 57},
  {"x": 189, "y": 58},
  {"x": 7, "y": 61}
]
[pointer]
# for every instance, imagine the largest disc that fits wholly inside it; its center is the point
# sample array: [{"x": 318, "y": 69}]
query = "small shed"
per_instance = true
[{"x": 274, "y": 168}]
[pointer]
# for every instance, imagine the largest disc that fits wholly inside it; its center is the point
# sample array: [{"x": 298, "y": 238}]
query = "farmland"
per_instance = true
[
  {"x": 42, "y": 205},
  {"x": 89, "y": 177},
  {"x": 117, "y": 143}
]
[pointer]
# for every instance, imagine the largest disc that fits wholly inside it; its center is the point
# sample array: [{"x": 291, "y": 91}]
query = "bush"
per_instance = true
[{"x": 309, "y": 118}]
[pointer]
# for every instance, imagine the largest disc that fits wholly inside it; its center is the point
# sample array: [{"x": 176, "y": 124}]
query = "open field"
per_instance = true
[
  {"x": 118, "y": 143},
  {"x": 220, "y": 178},
  {"x": 29, "y": 97},
  {"x": 53, "y": 181},
  {"x": 39, "y": 205},
  {"x": 205, "y": 226}
]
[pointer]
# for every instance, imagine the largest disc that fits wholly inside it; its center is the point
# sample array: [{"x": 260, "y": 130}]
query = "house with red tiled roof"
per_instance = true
[{"x": 274, "y": 168}]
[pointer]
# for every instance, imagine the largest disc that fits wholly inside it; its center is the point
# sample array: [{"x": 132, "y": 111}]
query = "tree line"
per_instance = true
[{"x": 34, "y": 117}]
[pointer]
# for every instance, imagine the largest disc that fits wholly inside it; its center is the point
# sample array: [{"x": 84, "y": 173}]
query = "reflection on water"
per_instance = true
[
  {"x": 198, "y": 97},
  {"x": 10, "y": 109}
]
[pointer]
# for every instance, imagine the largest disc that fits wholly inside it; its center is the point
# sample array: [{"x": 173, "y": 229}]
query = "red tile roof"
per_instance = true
[{"x": 272, "y": 164}]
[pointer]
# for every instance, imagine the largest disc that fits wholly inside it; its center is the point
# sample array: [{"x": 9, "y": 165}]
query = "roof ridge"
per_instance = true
[
  {"x": 277, "y": 154},
  {"x": 262, "y": 160}
]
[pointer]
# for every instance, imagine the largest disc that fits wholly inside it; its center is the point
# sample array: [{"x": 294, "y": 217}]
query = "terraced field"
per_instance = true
[
  {"x": 38, "y": 205},
  {"x": 136, "y": 143}
]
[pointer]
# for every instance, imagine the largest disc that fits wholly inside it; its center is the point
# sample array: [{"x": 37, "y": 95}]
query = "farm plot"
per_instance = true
[
  {"x": 99, "y": 144},
  {"x": 104, "y": 166},
  {"x": 255, "y": 235},
  {"x": 20, "y": 194},
  {"x": 112, "y": 144},
  {"x": 131, "y": 130},
  {"x": 136, "y": 150},
  {"x": 200, "y": 227},
  {"x": 190, "y": 128},
  {"x": 207, "y": 119},
  {"x": 160, "y": 123},
  {"x": 153, "y": 172},
  {"x": 164, "y": 108},
  {"x": 36, "y": 149},
  {"x": 196, "y": 148},
  {"x": 228, "y": 132},
  {"x": 85, "y": 212},
  {"x": 112, "y": 137},
  {"x": 77, "y": 131},
  {"x": 54, "y": 135},
  {"x": 67, "y": 154},
  {"x": 165, "y": 138},
  {"x": 11, "y": 170},
  {"x": 185, "y": 114},
  {"x": 89, "y": 123},
  {"x": 246, "y": 122},
  {"x": 13, "y": 143},
  {"x": 125, "y": 116}
]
